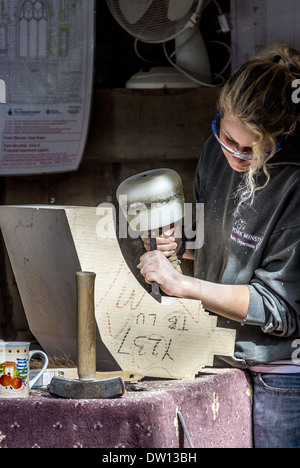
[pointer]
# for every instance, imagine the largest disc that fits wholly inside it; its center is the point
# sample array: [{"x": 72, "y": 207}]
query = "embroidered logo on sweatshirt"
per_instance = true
[{"x": 244, "y": 238}]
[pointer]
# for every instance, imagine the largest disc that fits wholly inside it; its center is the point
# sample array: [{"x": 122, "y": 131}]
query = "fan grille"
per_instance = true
[{"x": 156, "y": 24}]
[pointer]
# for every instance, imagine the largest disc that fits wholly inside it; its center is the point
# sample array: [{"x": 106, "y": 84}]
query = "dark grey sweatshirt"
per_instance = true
[{"x": 259, "y": 248}]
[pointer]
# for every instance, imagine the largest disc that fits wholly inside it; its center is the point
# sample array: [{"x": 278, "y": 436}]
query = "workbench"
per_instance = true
[{"x": 216, "y": 408}]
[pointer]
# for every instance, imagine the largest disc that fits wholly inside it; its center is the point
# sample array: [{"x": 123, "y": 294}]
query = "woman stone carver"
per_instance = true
[{"x": 248, "y": 270}]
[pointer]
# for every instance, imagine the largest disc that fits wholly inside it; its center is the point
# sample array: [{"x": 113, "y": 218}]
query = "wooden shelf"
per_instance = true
[{"x": 146, "y": 124}]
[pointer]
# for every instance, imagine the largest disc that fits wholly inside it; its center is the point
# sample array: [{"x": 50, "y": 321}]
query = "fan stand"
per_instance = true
[{"x": 192, "y": 57}]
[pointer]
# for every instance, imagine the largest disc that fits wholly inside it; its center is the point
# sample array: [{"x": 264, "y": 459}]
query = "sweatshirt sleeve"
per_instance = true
[{"x": 275, "y": 288}]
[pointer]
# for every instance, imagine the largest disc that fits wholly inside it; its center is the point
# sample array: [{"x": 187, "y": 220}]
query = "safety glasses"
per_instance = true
[{"x": 249, "y": 156}]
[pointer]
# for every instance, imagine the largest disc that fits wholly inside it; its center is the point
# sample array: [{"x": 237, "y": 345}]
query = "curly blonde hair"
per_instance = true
[{"x": 259, "y": 94}]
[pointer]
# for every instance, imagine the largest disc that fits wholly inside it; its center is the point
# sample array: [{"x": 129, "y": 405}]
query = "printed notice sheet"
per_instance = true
[{"x": 46, "y": 73}]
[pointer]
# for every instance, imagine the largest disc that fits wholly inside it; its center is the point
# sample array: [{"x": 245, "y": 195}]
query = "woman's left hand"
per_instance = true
[
  {"x": 155, "y": 267},
  {"x": 229, "y": 301}
]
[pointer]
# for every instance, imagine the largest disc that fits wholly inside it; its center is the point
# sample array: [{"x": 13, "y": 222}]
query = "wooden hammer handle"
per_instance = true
[{"x": 86, "y": 325}]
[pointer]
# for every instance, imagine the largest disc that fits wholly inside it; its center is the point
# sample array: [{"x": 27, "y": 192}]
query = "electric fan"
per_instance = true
[{"x": 160, "y": 21}]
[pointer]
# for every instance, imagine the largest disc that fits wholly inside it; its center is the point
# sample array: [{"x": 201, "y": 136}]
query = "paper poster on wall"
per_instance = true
[{"x": 46, "y": 63}]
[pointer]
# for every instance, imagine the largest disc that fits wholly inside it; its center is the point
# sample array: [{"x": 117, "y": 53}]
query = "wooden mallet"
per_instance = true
[{"x": 86, "y": 387}]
